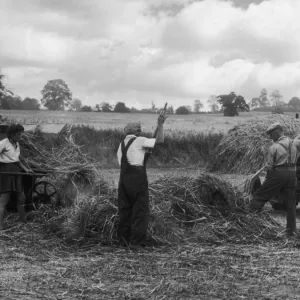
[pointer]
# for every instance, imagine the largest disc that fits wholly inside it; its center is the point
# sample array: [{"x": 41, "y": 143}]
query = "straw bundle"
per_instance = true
[
  {"x": 70, "y": 167},
  {"x": 202, "y": 207},
  {"x": 244, "y": 148}
]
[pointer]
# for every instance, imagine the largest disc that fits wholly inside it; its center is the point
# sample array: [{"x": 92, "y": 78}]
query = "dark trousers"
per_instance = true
[
  {"x": 133, "y": 202},
  {"x": 279, "y": 181}
]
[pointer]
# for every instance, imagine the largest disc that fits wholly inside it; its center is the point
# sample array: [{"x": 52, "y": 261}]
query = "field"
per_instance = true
[
  {"x": 35, "y": 264},
  {"x": 201, "y": 122}
]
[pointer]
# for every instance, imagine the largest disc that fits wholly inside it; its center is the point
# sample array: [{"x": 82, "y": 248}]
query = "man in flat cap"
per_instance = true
[
  {"x": 133, "y": 197},
  {"x": 281, "y": 174}
]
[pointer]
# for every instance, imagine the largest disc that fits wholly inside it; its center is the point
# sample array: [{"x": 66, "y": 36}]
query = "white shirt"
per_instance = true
[
  {"x": 137, "y": 150},
  {"x": 12, "y": 154}
]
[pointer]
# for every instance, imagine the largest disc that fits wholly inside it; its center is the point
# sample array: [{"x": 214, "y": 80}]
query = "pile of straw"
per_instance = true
[
  {"x": 244, "y": 148},
  {"x": 202, "y": 207}
]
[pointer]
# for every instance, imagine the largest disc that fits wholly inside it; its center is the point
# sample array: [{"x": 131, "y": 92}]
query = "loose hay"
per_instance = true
[
  {"x": 182, "y": 209},
  {"x": 243, "y": 149}
]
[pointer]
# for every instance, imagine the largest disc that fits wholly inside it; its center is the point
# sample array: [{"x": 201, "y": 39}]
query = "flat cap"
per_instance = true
[
  {"x": 274, "y": 126},
  {"x": 132, "y": 128}
]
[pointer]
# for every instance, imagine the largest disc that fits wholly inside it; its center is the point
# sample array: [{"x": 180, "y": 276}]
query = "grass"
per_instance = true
[{"x": 179, "y": 148}]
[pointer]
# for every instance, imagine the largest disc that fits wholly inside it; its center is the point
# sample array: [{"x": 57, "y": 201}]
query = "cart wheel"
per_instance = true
[{"x": 44, "y": 192}]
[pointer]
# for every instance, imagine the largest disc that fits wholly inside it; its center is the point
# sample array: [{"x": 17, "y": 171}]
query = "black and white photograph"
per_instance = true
[{"x": 149, "y": 149}]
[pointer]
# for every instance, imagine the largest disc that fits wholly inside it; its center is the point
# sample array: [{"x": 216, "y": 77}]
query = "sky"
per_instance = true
[{"x": 144, "y": 51}]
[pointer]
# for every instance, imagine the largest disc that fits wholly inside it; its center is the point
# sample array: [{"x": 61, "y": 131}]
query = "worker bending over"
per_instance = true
[{"x": 281, "y": 175}]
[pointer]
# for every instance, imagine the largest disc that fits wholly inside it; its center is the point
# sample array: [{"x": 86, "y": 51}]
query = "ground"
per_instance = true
[{"x": 34, "y": 265}]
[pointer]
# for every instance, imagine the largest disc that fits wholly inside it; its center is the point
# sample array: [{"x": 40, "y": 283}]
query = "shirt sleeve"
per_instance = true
[
  {"x": 149, "y": 143},
  {"x": 270, "y": 157},
  {"x": 2, "y": 144}
]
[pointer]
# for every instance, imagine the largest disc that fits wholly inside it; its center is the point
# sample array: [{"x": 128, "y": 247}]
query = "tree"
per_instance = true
[
  {"x": 11, "y": 102},
  {"x": 86, "y": 108},
  {"x": 295, "y": 103},
  {"x": 182, "y": 110},
  {"x": 75, "y": 104},
  {"x": 121, "y": 108},
  {"x": 56, "y": 95},
  {"x": 213, "y": 103},
  {"x": 30, "y": 104},
  {"x": 232, "y": 103},
  {"x": 197, "y": 106},
  {"x": 276, "y": 98},
  {"x": 170, "y": 110},
  {"x": 264, "y": 101},
  {"x": 255, "y": 102},
  {"x": 105, "y": 107}
]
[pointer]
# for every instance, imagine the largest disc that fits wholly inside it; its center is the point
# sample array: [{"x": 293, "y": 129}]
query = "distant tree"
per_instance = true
[
  {"x": 197, "y": 106},
  {"x": 11, "y": 102},
  {"x": 295, "y": 103},
  {"x": 231, "y": 103},
  {"x": 30, "y": 104},
  {"x": 213, "y": 103},
  {"x": 134, "y": 110},
  {"x": 264, "y": 101},
  {"x": 75, "y": 104},
  {"x": 276, "y": 98},
  {"x": 153, "y": 107},
  {"x": 56, "y": 95},
  {"x": 86, "y": 108},
  {"x": 105, "y": 107},
  {"x": 121, "y": 108},
  {"x": 4, "y": 93},
  {"x": 278, "y": 110},
  {"x": 255, "y": 102},
  {"x": 182, "y": 110},
  {"x": 170, "y": 110}
]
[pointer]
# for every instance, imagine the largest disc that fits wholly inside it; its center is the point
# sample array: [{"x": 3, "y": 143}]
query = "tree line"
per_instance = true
[{"x": 56, "y": 95}]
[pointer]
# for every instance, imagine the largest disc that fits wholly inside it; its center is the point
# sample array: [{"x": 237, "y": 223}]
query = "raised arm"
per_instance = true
[{"x": 159, "y": 131}]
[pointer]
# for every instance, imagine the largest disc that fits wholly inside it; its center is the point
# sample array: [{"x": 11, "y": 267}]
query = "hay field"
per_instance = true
[
  {"x": 36, "y": 264},
  {"x": 201, "y": 122}
]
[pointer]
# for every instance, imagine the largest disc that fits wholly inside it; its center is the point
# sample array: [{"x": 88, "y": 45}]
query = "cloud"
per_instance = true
[{"x": 142, "y": 51}]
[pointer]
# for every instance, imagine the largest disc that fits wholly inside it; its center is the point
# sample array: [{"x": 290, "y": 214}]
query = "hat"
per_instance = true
[
  {"x": 132, "y": 128},
  {"x": 274, "y": 126}
]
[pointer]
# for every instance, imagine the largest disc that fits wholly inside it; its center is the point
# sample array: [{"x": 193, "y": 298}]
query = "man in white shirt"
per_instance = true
[{"x": 133, "y": 196}]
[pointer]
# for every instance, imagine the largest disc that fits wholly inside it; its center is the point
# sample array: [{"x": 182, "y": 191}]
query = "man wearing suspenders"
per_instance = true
[
  {"x": 133, "y": 197},
  {"x": 281, "y": 175}
]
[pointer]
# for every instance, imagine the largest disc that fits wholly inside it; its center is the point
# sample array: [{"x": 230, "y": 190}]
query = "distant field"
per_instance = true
[{"x": 193, "y": 122}]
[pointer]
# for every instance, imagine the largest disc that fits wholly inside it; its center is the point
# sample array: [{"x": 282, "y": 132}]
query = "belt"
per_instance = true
[{"x": 286, "y": 167}]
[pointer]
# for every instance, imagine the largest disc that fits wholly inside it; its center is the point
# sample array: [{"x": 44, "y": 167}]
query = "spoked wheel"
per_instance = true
[{"x": 44, "y": 192}]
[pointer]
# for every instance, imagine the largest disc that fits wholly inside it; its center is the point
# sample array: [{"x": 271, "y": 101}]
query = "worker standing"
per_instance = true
[
  {"x": 10, "y": 163},
  {"x": 281, "y": 175},
  {"x": 133, "y": 196}
]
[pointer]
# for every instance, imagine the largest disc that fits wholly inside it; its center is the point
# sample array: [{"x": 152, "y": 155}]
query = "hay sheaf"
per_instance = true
[
  {"x": 203, "y": 207},
  {"x": 244, "y": 148}
]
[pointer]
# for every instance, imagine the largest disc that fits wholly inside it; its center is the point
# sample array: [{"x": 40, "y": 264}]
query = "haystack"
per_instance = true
[
  {"x": 203, "y": 207},
  {"x": 243, "y": 149}
]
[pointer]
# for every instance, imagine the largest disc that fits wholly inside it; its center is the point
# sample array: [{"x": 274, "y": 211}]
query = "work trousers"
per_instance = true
[
  {"x": 133, "y": 202},
  {"x": 281, "y": 180}
]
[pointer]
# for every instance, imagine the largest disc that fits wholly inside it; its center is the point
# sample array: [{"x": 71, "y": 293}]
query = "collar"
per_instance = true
[
  {"x": 281, "y": 138},
  {"x": 129, "y": 136}
]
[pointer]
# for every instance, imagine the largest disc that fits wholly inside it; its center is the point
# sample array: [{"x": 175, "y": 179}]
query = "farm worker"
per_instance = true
[
  {"x": 133, "y": 197},
  {"x": 10, "y": 162},
  {"x": 281, "y": 174}
]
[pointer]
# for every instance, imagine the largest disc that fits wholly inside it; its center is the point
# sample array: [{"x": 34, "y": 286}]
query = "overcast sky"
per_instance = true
[{"x": 139, "y": 51}]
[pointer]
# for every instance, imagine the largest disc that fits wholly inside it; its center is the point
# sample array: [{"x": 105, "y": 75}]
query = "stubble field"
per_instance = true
[{"x": 35, "y": 265}]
